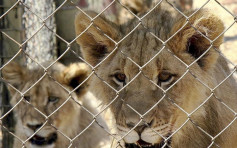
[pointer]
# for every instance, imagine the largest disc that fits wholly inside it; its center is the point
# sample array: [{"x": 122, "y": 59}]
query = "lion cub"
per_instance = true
[
  {"x": 47, "y": 116},
  {"x": 166, "y": 80}
]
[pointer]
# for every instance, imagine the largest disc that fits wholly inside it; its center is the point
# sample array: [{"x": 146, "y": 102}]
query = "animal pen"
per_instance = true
[{"x": 34, "y": 32}]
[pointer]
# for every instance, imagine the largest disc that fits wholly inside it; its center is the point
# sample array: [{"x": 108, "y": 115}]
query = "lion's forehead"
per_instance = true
[
  {"x": 144, "y": 41},
  {"x": 39, "y": 94},
  {"x": 40, "y": 90},
  {"x": 142, "y": 48}
]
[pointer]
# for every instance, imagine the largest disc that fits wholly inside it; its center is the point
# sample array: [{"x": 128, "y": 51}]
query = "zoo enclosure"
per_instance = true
[{"x": 13, "y": 40}]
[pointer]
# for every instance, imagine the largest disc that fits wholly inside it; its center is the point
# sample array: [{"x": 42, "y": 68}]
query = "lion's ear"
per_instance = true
[
  {"x": 74, "y": 75},
  {"x": 94, "y": 43},
  {"x": 14, "y": 74},
  {"x": 191, "y": 40}
]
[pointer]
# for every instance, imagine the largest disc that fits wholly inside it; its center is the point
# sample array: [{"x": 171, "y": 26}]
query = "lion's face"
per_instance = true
[
  {"x": 46, "y": 97},
  {"x": 146, "y": 101},
  {"x": 153, "y": 87},
  {"x": 46, "y": 106}
]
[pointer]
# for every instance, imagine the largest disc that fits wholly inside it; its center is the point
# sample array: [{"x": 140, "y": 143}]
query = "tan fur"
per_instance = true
[
  {"x": 141, "y": 94},
  {"x": 70, "y": 119},
  {"x": 141, "y": 6}
]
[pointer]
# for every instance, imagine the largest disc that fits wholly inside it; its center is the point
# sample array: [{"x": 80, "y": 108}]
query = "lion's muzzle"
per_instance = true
[
  {"x": 142, "y": 144},
  {"x": 44, "y": 137},
  {"x": 146, "y": 137},
  {"x": 38, "y": 140}
]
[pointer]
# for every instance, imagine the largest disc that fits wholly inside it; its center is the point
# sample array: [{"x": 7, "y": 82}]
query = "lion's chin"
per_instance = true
[
  {"x": 38, "y": 140},
  {"x": 142, "y": 144}
]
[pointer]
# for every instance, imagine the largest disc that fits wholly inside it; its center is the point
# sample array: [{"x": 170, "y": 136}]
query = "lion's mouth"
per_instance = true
[
  {"x": 38, "y": 140},
  {"x": 142, "y": 144}
]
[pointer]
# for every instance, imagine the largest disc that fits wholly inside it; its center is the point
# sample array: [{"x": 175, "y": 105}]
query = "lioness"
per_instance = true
[
  {"x": 44, "y": 99},
  {"x": 174, "y": 94}
]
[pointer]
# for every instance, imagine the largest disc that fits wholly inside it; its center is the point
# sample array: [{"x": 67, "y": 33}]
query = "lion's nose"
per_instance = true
[
  {"x": 140, "y": 127},
  {"x": 34, "y": 127}
]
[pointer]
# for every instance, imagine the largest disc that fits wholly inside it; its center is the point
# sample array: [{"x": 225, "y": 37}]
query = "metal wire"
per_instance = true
[{"x": 95, "y": 116}]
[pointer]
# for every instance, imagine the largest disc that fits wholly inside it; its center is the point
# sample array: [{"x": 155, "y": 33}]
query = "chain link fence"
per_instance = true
[{"x": 139, "y": 107}]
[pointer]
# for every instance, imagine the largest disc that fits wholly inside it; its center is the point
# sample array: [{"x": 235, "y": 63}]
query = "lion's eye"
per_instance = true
[
  {"x": 27, "y": 98},
  {"x": 165, "y": 77},
  {"x": 53, "y": 99},
  {"x": 120, "y": 77}
]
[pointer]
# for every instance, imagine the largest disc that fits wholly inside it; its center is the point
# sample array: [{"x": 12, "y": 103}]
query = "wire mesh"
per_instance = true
[{"x": 73, "y": 118}]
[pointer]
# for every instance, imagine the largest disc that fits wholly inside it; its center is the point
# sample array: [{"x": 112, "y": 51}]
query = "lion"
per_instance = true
[
  {"x": 140, "y": 6},
  {"x": 166, "y": 81},
  {"x": 46, "y": 115}
]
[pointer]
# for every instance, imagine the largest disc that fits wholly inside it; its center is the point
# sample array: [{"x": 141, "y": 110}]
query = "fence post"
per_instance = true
[{"x": 42, "y": 46}]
